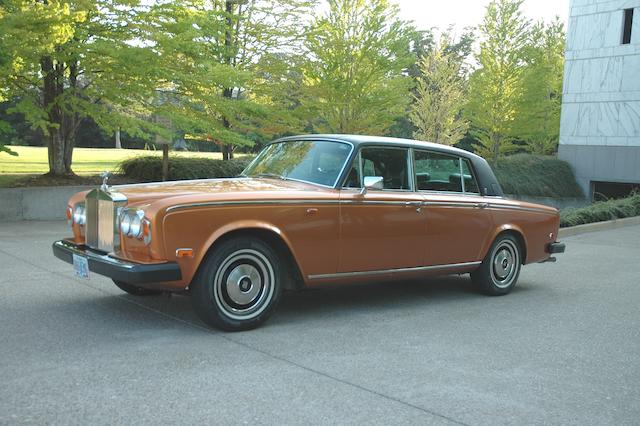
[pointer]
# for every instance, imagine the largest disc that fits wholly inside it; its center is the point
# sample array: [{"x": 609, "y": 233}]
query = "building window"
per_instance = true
[{"x": 627, "y": 23}]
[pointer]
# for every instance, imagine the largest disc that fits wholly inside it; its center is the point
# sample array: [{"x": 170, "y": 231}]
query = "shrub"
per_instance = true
[
  {"x": 601, "y": 211},
  {"x": 538, "y": 176},
  {"x": 149, "y": 168}
]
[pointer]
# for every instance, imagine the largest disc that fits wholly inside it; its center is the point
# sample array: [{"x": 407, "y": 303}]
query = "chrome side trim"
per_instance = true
[
  {"x": 250, "y": 202},
  {"x": 526, "y": 209},
  {"x": 450, "y": 204},
  {"x": 393, "y": 271},
  {"x": 470, "y": 205}
]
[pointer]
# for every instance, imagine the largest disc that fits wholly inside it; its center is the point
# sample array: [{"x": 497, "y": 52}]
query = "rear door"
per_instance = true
[{"x": 458, "y": 222}]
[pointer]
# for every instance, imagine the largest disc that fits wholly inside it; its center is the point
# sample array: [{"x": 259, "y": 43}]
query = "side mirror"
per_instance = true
[{"x": 372, "y": 182}]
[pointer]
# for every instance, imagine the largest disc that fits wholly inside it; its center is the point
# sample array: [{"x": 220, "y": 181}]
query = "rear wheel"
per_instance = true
[
  {"x": 239, "y": 285},
  {"x": 499, "y": 271},
  {"x": 136, "y": 291}
]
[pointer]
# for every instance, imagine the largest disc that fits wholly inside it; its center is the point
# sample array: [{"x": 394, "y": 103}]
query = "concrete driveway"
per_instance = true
[{"x": 563, "y": 348}]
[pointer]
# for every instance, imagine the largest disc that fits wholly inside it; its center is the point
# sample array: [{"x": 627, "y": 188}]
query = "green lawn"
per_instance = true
[{"x": 86, "y": 161}]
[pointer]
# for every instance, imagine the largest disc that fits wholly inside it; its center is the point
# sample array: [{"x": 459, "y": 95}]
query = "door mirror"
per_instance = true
[{"x": 372, "y": 182}]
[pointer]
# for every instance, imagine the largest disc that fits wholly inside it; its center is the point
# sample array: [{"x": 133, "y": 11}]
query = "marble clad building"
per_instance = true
[{"x": 600, "y": 120}]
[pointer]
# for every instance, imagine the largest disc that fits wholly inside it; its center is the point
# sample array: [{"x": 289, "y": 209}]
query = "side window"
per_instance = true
[
  {"x": 470, "y": 182},
  {"x": 390, "y": 163},
  {"x": 441, "y": 172}
]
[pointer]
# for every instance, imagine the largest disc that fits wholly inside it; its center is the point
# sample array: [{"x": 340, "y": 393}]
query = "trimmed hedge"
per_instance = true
[
  {"x": 149, "y": 168},
  {"x": 521, "y": 174},
  {"x": 601, "y": 211},
  {"x": 537, "y": 176}
]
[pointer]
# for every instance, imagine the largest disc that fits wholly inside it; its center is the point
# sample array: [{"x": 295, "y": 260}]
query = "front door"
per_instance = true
[{"x": 381, "y": 229}]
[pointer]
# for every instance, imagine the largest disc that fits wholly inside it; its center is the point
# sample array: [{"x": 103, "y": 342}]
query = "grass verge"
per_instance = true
[{"x": 27, "y": 168}]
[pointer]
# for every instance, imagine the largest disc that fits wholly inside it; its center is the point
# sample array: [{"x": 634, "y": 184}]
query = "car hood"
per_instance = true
[{"x": 215, "y": 190}]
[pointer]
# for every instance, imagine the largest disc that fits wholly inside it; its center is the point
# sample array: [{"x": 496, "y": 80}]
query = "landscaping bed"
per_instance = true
[{"x": 601, "y": 211}]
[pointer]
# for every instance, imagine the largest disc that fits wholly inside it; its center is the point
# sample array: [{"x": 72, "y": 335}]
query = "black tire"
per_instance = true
[
  {"x": 238, "y": 285},
  {"x": 499, "y": 271},
  {"x": 136, "y": 291}
]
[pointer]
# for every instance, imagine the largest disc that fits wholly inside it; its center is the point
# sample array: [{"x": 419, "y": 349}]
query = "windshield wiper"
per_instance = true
[{"x": 269, "y": 175}]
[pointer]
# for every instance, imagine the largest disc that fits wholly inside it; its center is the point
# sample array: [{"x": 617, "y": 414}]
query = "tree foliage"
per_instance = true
[
  {"x": 440, "y": 96},
  {"x": 355, "y": 79},
  {"x": 538, "y": 120},
  {"x": 496, "y": 88},
  {"x": 146, "y": 68}
]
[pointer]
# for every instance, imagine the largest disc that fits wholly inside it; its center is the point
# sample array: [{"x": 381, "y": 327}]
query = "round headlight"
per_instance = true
[
  {"x": 79, "y": 215},
  {"x": 125, "y": 224},
  {"x": 135, "y": 229}
]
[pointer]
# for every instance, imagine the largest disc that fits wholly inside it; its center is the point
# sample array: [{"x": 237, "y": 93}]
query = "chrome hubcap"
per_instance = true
[
  {"x": 505, "y": 265},
  {"x": 244, "y": 284}
]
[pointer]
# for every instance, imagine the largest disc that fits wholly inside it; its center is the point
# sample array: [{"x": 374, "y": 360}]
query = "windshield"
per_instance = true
[{"x": 311, "y": 161}]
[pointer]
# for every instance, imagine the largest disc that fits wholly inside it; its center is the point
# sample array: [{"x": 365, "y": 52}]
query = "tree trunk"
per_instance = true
[
  {"x": 62, "y": 128},
  {"x": 227, "y": 150},
  {"x": 165, "y": 161},
  {"x": 118, "y": 143}
]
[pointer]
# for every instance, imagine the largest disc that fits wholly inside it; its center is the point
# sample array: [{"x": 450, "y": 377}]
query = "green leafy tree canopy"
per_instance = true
[{"x": 355, "y": 79}]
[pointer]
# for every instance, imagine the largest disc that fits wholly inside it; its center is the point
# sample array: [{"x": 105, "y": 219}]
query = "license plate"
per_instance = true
[{"x": 81, "y": 266}]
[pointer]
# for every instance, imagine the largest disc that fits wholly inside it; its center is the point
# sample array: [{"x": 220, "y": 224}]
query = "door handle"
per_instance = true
[
  {"x": 482, "y": 205},
  {"x": 414, "y": 204}
]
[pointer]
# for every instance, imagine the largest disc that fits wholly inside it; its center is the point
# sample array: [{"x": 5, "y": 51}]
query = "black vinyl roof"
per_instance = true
[{"x": 382, "y": 140}]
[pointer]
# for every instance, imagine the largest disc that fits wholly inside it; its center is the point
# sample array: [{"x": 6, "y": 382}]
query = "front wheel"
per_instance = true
[
  {"x": 239, "y": 284},
  {"x": 499, "y": 271}
]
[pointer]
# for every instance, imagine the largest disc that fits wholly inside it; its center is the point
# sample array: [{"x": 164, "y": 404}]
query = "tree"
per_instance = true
[
  {"x": 355, "y": 80},
  {"x": 108, "y": 61},
  {"x": 252, "y": 31},
  {"x": 538, "y": 120},
  {"x": 439, "y": 97},
  {"x": 496, "y": 88}
]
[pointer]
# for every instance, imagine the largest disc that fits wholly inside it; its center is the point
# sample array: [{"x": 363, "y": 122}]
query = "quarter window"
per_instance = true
[{"x": 442, "y": 172}]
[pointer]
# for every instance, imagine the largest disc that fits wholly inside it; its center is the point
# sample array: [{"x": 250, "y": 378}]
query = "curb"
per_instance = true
[{"x": 598, "y": 226}]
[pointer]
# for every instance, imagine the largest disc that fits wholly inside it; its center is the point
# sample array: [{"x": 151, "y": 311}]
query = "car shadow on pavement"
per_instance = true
[{"x": 311, "y": 305}]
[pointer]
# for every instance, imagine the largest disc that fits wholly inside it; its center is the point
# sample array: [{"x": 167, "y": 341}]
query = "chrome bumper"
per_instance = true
[
  {"x": 117, "y": 269},
  {"x": 554, "y": 248}
]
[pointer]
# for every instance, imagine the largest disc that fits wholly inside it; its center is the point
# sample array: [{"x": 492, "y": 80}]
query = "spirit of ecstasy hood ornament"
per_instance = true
[{"x": 105, "y": 177}]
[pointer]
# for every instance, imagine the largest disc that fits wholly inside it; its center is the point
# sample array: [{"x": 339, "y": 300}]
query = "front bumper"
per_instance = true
[
  {"x": 117, "y": 269},
  {"x": 554, "y": 248}
]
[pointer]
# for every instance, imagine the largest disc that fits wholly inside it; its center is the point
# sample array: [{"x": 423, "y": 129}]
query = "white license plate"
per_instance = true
[{"x": 81, "y": 266}]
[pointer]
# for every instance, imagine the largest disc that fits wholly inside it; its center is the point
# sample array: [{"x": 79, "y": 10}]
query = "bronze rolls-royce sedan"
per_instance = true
[{"x": 309, "y": 210}]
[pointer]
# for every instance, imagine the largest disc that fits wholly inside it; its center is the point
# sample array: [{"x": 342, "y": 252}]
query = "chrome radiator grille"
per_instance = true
[{"x": 102, "y": 221}]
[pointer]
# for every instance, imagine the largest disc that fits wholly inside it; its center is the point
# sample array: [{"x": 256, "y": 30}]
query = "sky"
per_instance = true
[{"x": 462, "y": 13}]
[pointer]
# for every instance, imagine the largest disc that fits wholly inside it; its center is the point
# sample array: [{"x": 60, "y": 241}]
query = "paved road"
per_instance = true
[{"x": 563, "y": 348}]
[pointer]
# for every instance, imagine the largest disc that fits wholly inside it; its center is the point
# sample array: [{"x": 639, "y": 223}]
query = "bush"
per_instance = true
[
  {"x": 601, "y": 211},
  {"x": 149, "y": 168},
  {"x": 537, "y": 176}
]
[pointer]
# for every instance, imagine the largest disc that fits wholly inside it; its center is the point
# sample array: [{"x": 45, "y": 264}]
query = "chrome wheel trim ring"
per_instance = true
[
  {"x": 505, "y": 263},
  {"x": 243, "y": 285}
]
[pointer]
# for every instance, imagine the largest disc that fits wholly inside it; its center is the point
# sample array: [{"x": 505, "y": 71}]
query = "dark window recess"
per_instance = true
[
  {"x": 626, "y": 26},
  {"x": 603, "y": 191}
]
